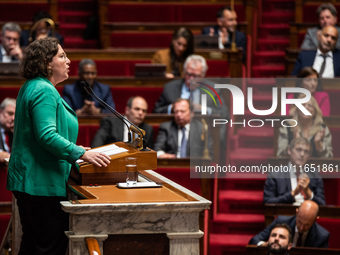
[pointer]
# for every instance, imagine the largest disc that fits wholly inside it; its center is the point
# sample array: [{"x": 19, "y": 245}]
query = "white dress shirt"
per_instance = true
[{"x": 329, "y": 68}]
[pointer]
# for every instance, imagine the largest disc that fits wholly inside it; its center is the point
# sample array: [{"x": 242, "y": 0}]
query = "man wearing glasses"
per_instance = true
[{"x": 195, "y": 68}]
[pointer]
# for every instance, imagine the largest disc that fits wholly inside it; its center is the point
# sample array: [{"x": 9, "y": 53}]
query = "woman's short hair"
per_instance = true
[{"x": 37, "y": 56}]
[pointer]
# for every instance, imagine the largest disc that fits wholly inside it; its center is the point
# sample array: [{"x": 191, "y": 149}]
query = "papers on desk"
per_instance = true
[
  {"x": 109, "y": 150},
  {"x": 124, "y": 185}
]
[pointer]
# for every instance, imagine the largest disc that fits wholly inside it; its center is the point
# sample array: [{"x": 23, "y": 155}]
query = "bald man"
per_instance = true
[
  {"x": 326, "y": 53},
  {"x": 306, "y": 232}
]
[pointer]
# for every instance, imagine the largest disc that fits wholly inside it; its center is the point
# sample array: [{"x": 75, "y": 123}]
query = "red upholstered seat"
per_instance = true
[
  {"x": 309, "y": 11},
  {"x": 5, "y": 196},
  {"x": 333, "y": 226},
  {"x": 334, "y": 95},
  {"x": 167, "y": 12},
  {"x": 182, "y": 177},
  {"x": 86, "y": 134},
  {"x": 140, "y": 40},
  {"x": 110, "y": 67},
  {"x": 20, "y": 11},
  {"x": 122, "y": 94},
  {"x": 8, "y": 92}
]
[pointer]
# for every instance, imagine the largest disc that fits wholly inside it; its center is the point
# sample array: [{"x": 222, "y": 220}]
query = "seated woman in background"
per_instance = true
[
  {"x": 182, "y": 45},
  {"x": 310, "y": 127},
  {"x": 43, "y": 26},
  {"x": 311, "y": 82}
]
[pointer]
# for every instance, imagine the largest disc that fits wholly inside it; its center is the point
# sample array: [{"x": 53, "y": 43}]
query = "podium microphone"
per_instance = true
[{"x": 90, "y": 91}]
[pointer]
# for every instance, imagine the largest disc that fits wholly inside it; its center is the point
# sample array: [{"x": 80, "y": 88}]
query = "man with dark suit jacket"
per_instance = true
[
  {"x": 10, "y": 50},
  {"x": 113, "y": 129},
  {"x": 326, "y": 59},
  {"x": 295, "y": 185},
  {"x": 173, "y": 140},
  {"x": 306, "y": 232},
  {"x": 7, "y": 112},
  {"x": 195, "y": 67},
  {"x": 225, "y": 29},
  {"x": 79, "y": 100}
]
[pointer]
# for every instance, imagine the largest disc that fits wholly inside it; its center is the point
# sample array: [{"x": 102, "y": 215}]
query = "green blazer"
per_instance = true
[{"x": 43, "y": 149}]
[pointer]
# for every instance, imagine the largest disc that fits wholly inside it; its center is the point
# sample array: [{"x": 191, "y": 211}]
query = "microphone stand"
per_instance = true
[{"x": 90, "y": 91}]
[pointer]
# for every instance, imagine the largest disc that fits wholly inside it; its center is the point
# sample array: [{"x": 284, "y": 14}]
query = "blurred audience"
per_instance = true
[
  {"x": 79, "y": 100},
  {"x": 325, "y": 59},
  {"x": 10, "y": 48},
  {"x": 173, "y": 136},
  {"x": 309, "y": 79},
  {"x": 311, "y": 127},
  {"x": 306, "y": 232},
  {"x": 327, "y": 16},
  {"x": 113, "y": 129},
  {"x": 226, "y": 28},
  {"x": 42, "y": 27},
  {"x": 182, "y": 45},
  {"x": 295, "y": 185},
  {"x": 7, "y": 113},
  {"x": 195, "y": 68}
]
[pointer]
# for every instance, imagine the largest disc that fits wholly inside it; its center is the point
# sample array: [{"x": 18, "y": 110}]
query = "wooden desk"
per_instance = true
[
  {"x": 255, "y": 250},
  {"x": 171, "y": 227}
]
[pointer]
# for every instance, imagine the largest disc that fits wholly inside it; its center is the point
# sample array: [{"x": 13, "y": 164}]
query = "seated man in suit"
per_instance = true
[
  {"x": 280, "y": 239},
  {"x": 10, "y": 50},
  {"x": 326, "y": 59},
  {"x": 79, "y": 100},
  {"x": 327, "y": 16},
  {"x": 113, "y": 129},
  {"x": 195, "y": 67},
  {"x": 295, "y": 185},
  {"x": 225, "y": 29},
  {"x": 7, "y": 112},
  {"x": 173, "y": 136},
  {"x": 306, "y": 232}
]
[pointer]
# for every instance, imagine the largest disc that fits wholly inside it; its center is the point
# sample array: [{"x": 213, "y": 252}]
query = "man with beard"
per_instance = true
[
  {"x": 280, "y": 239},
  {"x": 306, "y": 232},
  {"x": 326, "y": 59}
]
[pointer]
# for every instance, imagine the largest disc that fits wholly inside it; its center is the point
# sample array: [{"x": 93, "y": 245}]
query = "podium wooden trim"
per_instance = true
[{"x": 178, "y": 220}]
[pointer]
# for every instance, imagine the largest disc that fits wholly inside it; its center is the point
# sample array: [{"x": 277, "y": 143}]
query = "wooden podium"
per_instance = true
[
  {"x": 161, "y": 220},
  {"x": 115, "y": 171}
]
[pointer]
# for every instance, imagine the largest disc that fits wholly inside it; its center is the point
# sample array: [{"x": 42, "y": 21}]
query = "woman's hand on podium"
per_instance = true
[{"x": 96, "y": 158}]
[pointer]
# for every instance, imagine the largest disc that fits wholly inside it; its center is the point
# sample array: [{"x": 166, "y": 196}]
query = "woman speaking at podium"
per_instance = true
[{"x": 44, "y": 149}]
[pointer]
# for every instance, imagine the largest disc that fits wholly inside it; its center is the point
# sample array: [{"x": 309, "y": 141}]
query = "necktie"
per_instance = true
[
  {"x": 9, "y": 138},
  {"x": 183, "y": 144},
  {"x": 323, "y": 65},
  {"x": 299, "y": 241}
]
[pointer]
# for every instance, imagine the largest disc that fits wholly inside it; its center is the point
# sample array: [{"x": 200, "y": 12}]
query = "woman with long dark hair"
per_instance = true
[{"x": 182, "y": 45}]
